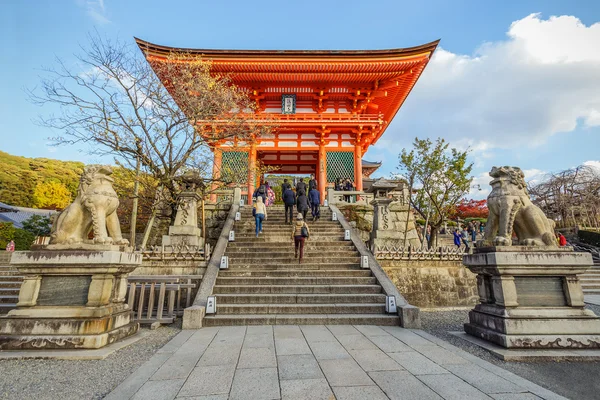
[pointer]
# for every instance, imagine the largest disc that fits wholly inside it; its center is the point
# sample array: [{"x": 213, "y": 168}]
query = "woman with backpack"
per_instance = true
[
  {"x": 260, "y": 214},
  {"x": 299, "y": 234}
]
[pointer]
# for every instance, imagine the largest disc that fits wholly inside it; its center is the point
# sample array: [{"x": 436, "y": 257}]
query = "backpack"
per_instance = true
[{"x": 304, "y": 231}]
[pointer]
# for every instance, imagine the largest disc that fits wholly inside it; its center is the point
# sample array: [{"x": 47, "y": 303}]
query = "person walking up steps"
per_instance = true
[
  {"x": 302, "y": 203},
  {"x": 260, "y": 214},
  {"x": 300, "y": 186},
  {"x": 314, "y": 197},
  {"x": 300, "y": 233},
  {"x": 289, "y": 199}
]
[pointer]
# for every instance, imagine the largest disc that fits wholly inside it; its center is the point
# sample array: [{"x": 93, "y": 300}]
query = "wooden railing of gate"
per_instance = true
[{"x": 160, "y": 298}]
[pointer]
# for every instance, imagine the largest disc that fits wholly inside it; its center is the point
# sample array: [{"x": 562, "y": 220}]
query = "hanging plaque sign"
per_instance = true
[{"x": 288, "y": 104}]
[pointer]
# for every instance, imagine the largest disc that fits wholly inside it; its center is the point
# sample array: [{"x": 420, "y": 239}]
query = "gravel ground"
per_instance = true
[
  {"x": 66, "y": 380},
  {"x": 574, "y": 380}
]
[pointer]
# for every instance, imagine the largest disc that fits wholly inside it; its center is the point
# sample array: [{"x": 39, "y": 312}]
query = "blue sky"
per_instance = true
[{"x": 518, "y": 88}]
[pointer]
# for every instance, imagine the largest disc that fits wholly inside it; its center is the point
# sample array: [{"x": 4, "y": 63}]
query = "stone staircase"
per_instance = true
[
  {"x": 10, "y": 283},
  {"x": 590, "y": 281},
  {"x": 265, "y": 285}
]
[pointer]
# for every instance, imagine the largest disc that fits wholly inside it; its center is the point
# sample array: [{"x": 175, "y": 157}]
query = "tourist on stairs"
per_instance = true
[
  {"x": 314, "y": 197},
  {"x": 300, "y": 186},
  {"x": 289, "y": 199},
  {"x": 312, "y": 183},
  {"x": 299, "y": 234},
  {"x": 302, "y": 205},
  {"x": 285, "y": 185},
  {"x": 260, "y": 214}
]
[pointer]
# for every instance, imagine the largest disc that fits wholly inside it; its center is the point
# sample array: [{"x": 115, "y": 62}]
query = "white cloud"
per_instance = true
[
  {"x": 594, "y": 164},
  {"x": 542, "y": 80},
  {"x": 95, "y": 9}
]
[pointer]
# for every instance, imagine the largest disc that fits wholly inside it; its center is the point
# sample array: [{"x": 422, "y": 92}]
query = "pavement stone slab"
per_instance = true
[
  {"x": 286, "y": 347},
  {"x": 389, "y": 344},
  {"x": 159, "y": 390},
  {"x": 178, "y": 366},
  {"x": 255, "y": 384},
  {"x": 299, "y": 366},
  {"x": 329, "y": 350},
  {"x": 344, "y": 372},
  {"x": 260, "y": 357},
  {"x": 416, "y": 363},
  {"x": 359, "y": 393},
  {"x": 371, "y": 330},
  {"x": 287, "y": 332},
  {"x": 484, "y": 380},
  {"x": 209, "y": 397},
  {"x": 451, "y": 387},
  {"x": 220, "y": 354},
  {"x": 135, "y": 381},
  {"x": 401, "y": 385},
  {"x": 339, "y": 330},
  {"x": 313, "y": 389},
  {"x": 514, "y": 396},
  {"x": 406, "y": 336},
  {"x": 262, "y": 340},
  {"x": 175, "y": 343},
  {"x": 440, "y": 355},
  {"x": 317, "y": 333},
  {"x": 356, "y": 342},
  {"x": 259, "y": 330},
  {"x": 209, "y": 381},
  {"x": 374, "y": 360}
]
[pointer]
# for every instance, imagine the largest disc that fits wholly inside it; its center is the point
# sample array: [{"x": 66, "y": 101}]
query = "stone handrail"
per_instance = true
[
  {"x": 415, "y": 253},
  {"x": 193, "y": 316},
  {"x": 409, "y": 314}
]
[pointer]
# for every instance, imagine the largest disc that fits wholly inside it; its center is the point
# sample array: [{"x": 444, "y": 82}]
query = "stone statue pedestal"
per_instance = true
[
  {"x": 185, "y": 231},
  {"x": 389, "y": 224},
  {"x": 70, "y": 299},
  {"x": 531, "y": 297}
]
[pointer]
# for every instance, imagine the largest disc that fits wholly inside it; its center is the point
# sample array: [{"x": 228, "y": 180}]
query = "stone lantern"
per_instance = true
[{"x": 185, "y": 231}]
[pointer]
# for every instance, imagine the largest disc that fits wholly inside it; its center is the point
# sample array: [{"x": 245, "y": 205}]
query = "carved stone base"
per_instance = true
[
  {"x": 70, "y": 299},
  {"x": 532, "y": 299}
]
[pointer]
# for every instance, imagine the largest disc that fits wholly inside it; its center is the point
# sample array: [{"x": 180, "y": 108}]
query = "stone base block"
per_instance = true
[
  {"x": 34, "y": 335},
  {"x": 182, "y": 240},
  {"x": 524, "y": 341}
]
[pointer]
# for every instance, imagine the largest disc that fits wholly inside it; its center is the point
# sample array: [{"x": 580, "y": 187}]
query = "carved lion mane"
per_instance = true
[
  {"x": 94, "y": 209},
  {"x": 510, "y": 208}
]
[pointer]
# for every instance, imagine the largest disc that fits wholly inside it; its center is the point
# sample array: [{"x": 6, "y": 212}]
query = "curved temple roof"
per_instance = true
[{"x": 370, "y": 85}]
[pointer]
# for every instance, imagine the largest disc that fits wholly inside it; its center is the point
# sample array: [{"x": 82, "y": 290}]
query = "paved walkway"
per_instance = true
[{"x": 319, "y": 362}]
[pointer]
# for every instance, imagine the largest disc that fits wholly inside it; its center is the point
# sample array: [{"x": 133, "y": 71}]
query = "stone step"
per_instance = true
[
  {"x": 10, "y": 284},
  {"x": 585, "y": 286},
  {"x": 296, "y": 281},
  {"x": 302, "y": 319},
  {"x": 9, "y": 291},
  {"x": 294, "y": 266},
  {"x": 283, "y": 252},
  {"x": 296, "y": 289},
  {"x": 6, "y": 307},
  {"x": 251, "y": 238},
  {"x": 291, "y": 298},
  {"x": 294, "y": 273},
  {"x": 348, "y": 308},
  {"x": 9, "y": 298},
  {"x": 316, "y": 258},
  {"x": 309, "y": 247},
  {"x": 11, "y": 278}
]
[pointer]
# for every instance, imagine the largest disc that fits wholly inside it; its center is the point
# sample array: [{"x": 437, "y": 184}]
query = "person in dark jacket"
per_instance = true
[
  {"x": 289, "y": 199},
  {"x": 314, "y": 197},
  {"x": 300, "y": 186},
  {"x": 262, "y": 192},
  {"x": 312, "y": 183},
  {"x": 285, "y": 185},
  {"x": 302, "y": 203}
]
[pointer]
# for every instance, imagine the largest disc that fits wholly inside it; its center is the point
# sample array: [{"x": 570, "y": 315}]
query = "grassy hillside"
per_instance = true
[{"x": 38, "y": 182}]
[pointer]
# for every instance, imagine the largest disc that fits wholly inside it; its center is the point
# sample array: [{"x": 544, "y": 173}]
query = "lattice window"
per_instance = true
[
  {"x": 234, "y": 166},
  {"x": 340, "y": 164}
]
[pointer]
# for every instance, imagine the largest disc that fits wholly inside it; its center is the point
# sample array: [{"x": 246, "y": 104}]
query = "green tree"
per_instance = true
[
  {"x": 38, "y": 225},
  {"x": 441, "y": 176},
  {"x": 23, "y": 239}
]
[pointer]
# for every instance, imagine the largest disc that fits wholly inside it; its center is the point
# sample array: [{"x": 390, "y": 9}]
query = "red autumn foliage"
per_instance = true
[{"x": 470, "y": 209}]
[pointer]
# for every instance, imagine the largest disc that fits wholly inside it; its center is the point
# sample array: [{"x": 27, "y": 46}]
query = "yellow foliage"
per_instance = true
[{"x": 51, "y": 194}]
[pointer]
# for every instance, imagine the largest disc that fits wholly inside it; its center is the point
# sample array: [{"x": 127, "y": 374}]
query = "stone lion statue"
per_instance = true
[
  {"x": 94, "y": 208},
  {"x": 510, "y": 208}
]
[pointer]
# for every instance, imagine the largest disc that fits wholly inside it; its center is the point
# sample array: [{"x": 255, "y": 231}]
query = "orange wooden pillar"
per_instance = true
[
  {"x": 251, "y": 171},
  {"x": 322, "y": 172},
  {"x": 216, "y": 173},
  {"x": 358, "y": 174}
]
